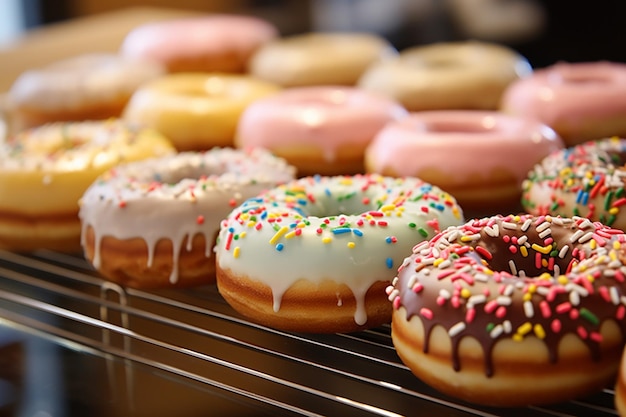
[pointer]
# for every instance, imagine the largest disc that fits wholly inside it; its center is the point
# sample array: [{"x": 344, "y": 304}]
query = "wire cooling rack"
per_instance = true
[{"x": 193, "y": 339}]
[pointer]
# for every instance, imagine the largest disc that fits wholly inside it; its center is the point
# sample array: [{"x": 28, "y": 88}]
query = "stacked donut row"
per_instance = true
[{"x": 374, "y": 231}]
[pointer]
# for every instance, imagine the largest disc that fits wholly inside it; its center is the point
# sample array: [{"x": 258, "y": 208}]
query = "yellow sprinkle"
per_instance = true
[
  {"x": 523, "y": 251},
  {"x": 351, "y": 245},
  {"x": 236, "y": 252},
  {"x": 614, "y": 210},
  {"x": 290, "y": 234},
  {"x": 437, "y": 262},
  {"x": 465, "y": 293},
  {"x": 616, "y": 245},
  {"x": 592, "y": 244},
  {"x": 613, "y": 255},
  {"x": 251, "y": 224},
  {"x": 456, "y": 212},
  {"x": 562, "y": 279},
  {"x": 327, "y": 239},
  {"x": 544, "y": 263},
  {"x": 388, "y": 207},
  {"x": 346, "y": 181},
  {"x": 524, "y": 328},
  {"x": 539, "y": 331},
  {"x": 278, "y": 235},
  {"x": 301, "y": 225},
  {"x": 532, "y": 288},
  {"x": 516, "y": 219},
  {"x": 600, "y": 260},
  {"x": 590, "y": 278},
  {"x": 527, "y": 297},
  {"x": 242, "y": 235},
  {"x": 541, "y": 249},
  {"x": 517, "y": 337}
]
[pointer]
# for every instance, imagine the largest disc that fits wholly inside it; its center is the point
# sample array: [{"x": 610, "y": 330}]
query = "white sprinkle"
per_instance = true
[
  {"x": 586, "y": 237},
  {"x": 586, "y": 223},
  {"x": 614, "y": 295},
  {"x": 563, "y": 251},
  {"x": 521, "y": 273},
  {"x": 503, "y": 300},
  {"x": 508, "y": 290},
  {"x": 508, "y": 327},
  {"x": 529, "y": 310},
  {"x": 477, "y": 299},
  {"x": 393, "y": 294},
  {"x": 512, "y": 267},
  {"x": 509, "y": 225},
  {"x": 543, "y": 226},
  {"x": 622, "y": 299},
  {"x": 614, "y": 264},
  {"x": 496, "y": 331},
  {"x": 544, "y": 234},
  {"x": 456, "y": 329},
  {"x": 445, "y": 264},
  {"x": 445, "y": 294},
  {"x": 541, "y": 290},
  {"x": 490, "y": 231},
  {"x": 522, "y": 239},
  {"x": 557, "y": 270},
  {"x": 570, "y": 286},
  {"x": 481, "y": 277},
  {"x": 526, "y": 225},
  {"x": 576, "y": 235},
  {"x": 574, "y": 298}
]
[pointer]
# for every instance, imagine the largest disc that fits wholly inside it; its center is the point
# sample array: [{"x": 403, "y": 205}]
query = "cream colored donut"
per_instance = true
[
  {"x": 466, "y": 75},
  {"x": 581, "y": 101},
  {"x": 85, "y": 87},
  {"x": 320, "y": 58},
  {"x": 153, "y": 223},
  {"x": 217, "y": 42},
  {"x": 514, "y": 310},
  {"x": 45, "y": 170},
  {"x": 584, "y": 180},
  {"x": 480, "y": 157},
  {"x": 320, "y": 130},
  {"x": 314, "y": 255},
  {"x": 196, "y": 111}
]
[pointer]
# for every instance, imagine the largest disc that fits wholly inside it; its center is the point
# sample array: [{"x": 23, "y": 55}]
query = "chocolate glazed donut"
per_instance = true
[{"x": 513, "y": 310}]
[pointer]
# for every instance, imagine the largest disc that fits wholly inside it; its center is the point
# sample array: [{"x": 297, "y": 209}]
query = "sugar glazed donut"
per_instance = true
[
  {"x": 581, "y": 101},
  {"x": 153, "y": 223},
  {"x": 480, "y": 157},
  {"x": 45, "y": 170},
  {"x": 316, "y": 254},
  {"x": 320, "y": 130},
  {"x": 513, "y": 310},
  {"x": 320, "y": 58},
  {"x": 85, "y": 87},
  {"x": 466, "y": 75},
  {"x": 217, "y": 42},
  {"x": 196, "y": 111},
  {"x": 586, "y": 180}
]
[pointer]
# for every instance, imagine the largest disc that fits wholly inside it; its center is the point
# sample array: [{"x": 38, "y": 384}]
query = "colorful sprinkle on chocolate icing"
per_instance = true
[{"x": 513, "y": 277}]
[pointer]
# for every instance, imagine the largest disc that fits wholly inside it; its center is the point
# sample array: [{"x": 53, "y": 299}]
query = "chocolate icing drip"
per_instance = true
[{"x": 472, "y": 292}]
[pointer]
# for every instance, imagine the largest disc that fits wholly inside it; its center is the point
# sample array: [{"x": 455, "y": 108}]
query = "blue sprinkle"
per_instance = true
[
  {"x": 231, "y": 229},
  {"x": 341, "y": 230},
  {"x": 388, "y": 239},
  {"x": 357, "y": 232},
  {"x": 280, "y": 247},
  {"x": 302, "y": 202},
  {"x": 327, "y": 192},
  {"x": 579, "y": 196},
  {"x": 585, "y": 198},
  {"x": 389, "y": 262}
]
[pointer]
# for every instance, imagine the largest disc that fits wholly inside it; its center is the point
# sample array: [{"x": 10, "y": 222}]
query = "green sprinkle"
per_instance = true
[
  {"x": 423, "y": 231},
  {"x": 589, "y": 316}
]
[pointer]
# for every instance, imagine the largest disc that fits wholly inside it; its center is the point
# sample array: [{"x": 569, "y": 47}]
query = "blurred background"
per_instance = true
[{"x": 545, "y": 31}]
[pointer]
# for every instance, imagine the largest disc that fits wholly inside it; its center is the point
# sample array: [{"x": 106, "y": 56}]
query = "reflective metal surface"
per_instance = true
[{"x": 72, "y": 344}]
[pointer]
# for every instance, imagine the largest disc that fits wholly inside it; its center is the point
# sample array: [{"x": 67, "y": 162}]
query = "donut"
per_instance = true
[
  {"x": 464, "y": 75},
  {"x": 580, "y": 101},
  {"x": 153, "y": 223},
  {"x": 480, "y": 157},
  {"x": 584, "y": 180},
  {"x": 219, "y": 42},
  {"x": 620, "y": 388},
  {"x": 196, "y": 111},
  {"x": 319, "y": 58},
  {"x": 319, "y": 129},
  {"x": 513, "y": 310},
  {"x": 45, "y": 170},
  {"x": 316, "y": 254},
  {"x": 93, "y": 86}
]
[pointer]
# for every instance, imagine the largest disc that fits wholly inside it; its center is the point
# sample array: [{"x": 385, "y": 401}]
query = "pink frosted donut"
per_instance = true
[
  {"x": 581, "y": 101},
  {"x": 320, "y": 130},
  {"x": 480, "y": 157},
  {"x": 208, "y": 43}
]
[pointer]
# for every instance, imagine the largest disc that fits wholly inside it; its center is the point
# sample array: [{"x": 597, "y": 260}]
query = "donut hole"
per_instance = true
[{"x": 455, "y": 126}]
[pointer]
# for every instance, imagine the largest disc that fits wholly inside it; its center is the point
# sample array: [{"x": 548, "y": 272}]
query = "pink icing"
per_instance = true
[
  {"x": 327, "y": 117},
  {"x": 461, "y": 143},
  {"x": 202, "y": 36},
  {"x": 571, "y": 93}
]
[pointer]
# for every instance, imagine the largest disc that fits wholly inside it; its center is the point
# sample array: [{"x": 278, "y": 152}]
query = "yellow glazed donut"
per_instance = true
[
  {"x": 480, "y": 157},
  {"x": 584, "y": 180},
  {"x": 315, "y": 254},
  {"x": 467, "y": 75},
  {"x": 581, "y": 101},
  {"x": 514, "y": 310},
  {"x": 86, "y": 87},
  {"x": 217, "y": 42},
  {"x": 196, "y": 111},
  {"x": 320, "y": 130},
  {"x": 153, "y": 223},
  {"x": 44, "y": 172},
  {"x": 329, "y": 58}
]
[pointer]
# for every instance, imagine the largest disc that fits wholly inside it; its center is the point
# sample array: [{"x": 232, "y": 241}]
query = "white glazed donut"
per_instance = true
[
  {"x": 466, "y": 75},
  {"x": 316, "y": 254},
  {"x": 320, "y": 130},
  {"x": 153, "y": 223}
]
